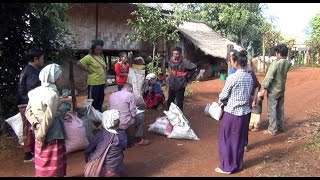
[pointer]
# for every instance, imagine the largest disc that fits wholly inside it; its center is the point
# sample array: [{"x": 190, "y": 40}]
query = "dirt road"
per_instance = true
[{"x": 286, "y": 154}]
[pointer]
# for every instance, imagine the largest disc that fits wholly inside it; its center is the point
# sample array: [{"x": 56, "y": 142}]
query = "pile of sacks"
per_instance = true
[{"x": 174, "y": 125}]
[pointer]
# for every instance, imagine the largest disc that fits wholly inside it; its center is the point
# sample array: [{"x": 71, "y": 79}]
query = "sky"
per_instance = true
[{"x": 292, "y": 19}]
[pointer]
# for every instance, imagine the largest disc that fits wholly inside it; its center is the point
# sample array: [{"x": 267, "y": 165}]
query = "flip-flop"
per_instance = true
[
  {"x": 269, "y": 132},
  {"x": 143, "y": 142},
  {"x": 218, "y": 170}
]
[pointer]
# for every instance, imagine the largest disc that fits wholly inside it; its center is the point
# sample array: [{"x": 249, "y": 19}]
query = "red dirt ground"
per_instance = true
[{"x": 286, "y": 154}]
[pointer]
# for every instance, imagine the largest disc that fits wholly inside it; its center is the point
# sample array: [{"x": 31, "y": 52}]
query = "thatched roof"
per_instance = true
[{"x": 203, "y": 37}]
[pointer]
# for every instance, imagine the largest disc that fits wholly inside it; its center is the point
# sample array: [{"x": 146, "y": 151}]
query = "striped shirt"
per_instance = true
[{"x": 237, "y": 92}]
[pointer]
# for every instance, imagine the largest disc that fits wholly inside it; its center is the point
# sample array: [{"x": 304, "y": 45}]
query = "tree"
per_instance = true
[
  {"x": 25, "y": 25},
  {"x": 151, "y": 25},
  {"x": 314, "y": 40}
]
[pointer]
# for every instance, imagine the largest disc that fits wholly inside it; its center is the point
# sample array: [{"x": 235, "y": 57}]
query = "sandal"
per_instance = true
[
  {"x": 269, "y": 132},
  {"x": 143, "y": 142},
  {"x": 218, "y": 170}
]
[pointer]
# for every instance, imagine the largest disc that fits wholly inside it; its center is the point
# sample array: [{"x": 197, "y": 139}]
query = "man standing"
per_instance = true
[
  {"x": 122, "y": 69},
  {"x": 274, "y": 83},
  {"x": 181, "y": 71},
  {"x": 125, "y": 103},
  {"x": 29, "y": 79}
]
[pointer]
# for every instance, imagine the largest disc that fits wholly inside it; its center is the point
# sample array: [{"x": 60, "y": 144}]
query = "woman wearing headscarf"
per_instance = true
[
  {"x": 235, "y": 96},
  {"x": 95, "y": 65},
  {"x": 113, "y": 162},
  {"x": 46, "y": 118},
  {"x": 152, "y": 93}
]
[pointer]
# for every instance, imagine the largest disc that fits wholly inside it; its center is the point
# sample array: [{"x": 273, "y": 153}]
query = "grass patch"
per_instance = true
[{"x": 315, "y": 142}]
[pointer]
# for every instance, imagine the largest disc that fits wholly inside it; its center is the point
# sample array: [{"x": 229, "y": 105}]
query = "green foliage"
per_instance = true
[
  {"x": 153, "y": 67},
  {"x": 152, "y": 26},
  {"x": 314, "y": 40},
  {"x": 239, "y": 22},
  {"x": 188, "y": 92},
  {"x": 23, "y": 26}
]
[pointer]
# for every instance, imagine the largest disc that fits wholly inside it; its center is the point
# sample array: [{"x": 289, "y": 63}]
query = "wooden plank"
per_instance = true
[{"x": 71, "y": 79}]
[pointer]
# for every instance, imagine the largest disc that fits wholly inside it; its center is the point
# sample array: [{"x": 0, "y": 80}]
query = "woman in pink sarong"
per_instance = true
[{"x": 152, "y": 93}]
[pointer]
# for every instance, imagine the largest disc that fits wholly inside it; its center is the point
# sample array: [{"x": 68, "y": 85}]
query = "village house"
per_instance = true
[{"x": 108, "y": 21}]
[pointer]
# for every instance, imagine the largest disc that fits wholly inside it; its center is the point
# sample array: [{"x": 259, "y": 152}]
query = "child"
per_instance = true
[{"x": 256, "y": 114}]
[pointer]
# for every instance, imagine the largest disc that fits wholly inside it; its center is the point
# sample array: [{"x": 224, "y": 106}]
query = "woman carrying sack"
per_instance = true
[
  {"x": 45, "y": 114},
  {"x": 104, "y": 155},
  {"x": 95, "y": 65}
]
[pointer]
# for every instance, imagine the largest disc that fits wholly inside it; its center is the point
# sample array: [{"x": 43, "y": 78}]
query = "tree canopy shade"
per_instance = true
[{"x": 23, "y": 26}]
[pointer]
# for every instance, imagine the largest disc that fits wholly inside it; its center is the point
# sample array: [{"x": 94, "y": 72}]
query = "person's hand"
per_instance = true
[
  {"x": 254, "y": 104},
  {"x": 37, "y": 126},
  {"x": 263, "y": 91},
  {"x": 90, "y": 71}
]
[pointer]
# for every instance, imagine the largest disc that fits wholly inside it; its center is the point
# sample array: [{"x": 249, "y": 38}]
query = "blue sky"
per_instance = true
[{"x": 292, "y": 19}]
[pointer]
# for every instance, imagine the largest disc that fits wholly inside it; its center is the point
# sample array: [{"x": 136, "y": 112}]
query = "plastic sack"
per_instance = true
[
  {"x": 215, "y": 111},
  {"x": 206, "y": 110},
  {"x": 161, "y": 126},
  {"x": 136, "y": 78},
  {"x": 76, "y": 133},
  {"x": 82, "y": 114},
  {"x": 180, "y": 132},
  {"x": 176, "y": 116},
  {"x": 93, "y": 114},
  {"x": 181, "y": 127},
  {"x": 17, "y": 125}
]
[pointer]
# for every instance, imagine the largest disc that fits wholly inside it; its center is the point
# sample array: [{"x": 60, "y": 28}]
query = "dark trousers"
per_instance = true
[
  {"x": 97, "y": 94},
  {"x": 120, "y": 87},
  {"x": 28, "y": 135},
  {"x": 135, "y": 131},
  {"x": 177, "y": 95}
]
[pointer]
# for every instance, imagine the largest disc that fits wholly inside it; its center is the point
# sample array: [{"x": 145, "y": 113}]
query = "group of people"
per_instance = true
[
  {"x": 242, "y": 105},
  {"x": 42, "y": 114}
]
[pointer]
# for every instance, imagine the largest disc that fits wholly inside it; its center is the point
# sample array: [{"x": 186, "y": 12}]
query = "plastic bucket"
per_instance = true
[{"x": 223, "y": 77}]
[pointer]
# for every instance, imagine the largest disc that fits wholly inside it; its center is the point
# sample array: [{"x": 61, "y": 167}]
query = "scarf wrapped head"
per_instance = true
[
  {"x": 97, "y": 42},
  {"x": 49, "y": 75},
  {"x": 109, "y": 120},
  {"x": 151, "y": 76}
]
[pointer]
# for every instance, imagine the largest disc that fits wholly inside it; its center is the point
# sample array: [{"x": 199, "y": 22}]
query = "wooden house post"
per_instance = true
[
  {"x": 229, "y": 47},
  {"x": 71, "y": 79}
]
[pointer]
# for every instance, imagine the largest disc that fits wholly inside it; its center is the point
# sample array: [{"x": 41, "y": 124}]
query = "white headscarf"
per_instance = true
[
  {"x": 49, "y": 74},
  {"x": 141, "y": 58},
  {"x": 109, "y": 119},
  {"x": 151, "y": 76}
]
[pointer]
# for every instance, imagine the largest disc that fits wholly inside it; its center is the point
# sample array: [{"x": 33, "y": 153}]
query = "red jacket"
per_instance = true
[{"x": 120, "y": 68}]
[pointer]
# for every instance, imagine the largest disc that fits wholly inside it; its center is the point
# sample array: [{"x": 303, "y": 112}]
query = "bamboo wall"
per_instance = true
[{"x": 112, "y": 25}]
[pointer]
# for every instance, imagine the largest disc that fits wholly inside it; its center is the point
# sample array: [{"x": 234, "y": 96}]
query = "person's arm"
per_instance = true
[
  {"x": 270, "y": 75},
  {"x": 132, "y": 106},
  {"x": 225, "y": 93},
  {"x": 84, "y": 64},
  {"x": 117, "y": 69},
  {"x": 22, "y": 87},
  {"x": 32, "y": 81},
  {"x": 96, "y": 147},
  {"x": 191, "y": 67},
  {"x": 49, "y": 115}
]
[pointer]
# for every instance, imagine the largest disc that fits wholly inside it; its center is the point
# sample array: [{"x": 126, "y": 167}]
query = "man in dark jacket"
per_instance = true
[
  {"x": 29, "y": 79},
  {"x": 181, "y": 71}
]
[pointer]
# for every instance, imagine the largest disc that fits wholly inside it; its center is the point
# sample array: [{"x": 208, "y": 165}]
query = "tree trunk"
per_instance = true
[
  {"x": 229, "y": 47},
  {"x": 263, "y": 57},
  {"x": 71, "y": 78},
  {"x": 163, "y": 63},
  {"x": 153, "y": 52},
  {"x": 289, "y": 49}
]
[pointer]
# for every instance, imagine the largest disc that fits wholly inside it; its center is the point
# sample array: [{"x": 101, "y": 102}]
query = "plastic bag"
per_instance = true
[
  {"x": 161, "y": 126},
  {"x": 180, "y": 132},
  {"x": 76, "y": 133},
  {"x": 206, "y": 110},
  {"x": 82, "y": 114},
  {"x": 215, "y": 111},
  {"x": 181, "y": 127},
  {"x": 136, "y": 78},
  {"x": 92, "y": 113},
  {"x": 17, "y": 125}
]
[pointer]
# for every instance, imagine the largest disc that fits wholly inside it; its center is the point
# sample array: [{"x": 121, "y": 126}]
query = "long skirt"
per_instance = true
[
  {"x": 232, "y": 137},
  {"x": 153, "y": 100},
  {"x": 50, "y": 159}
]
